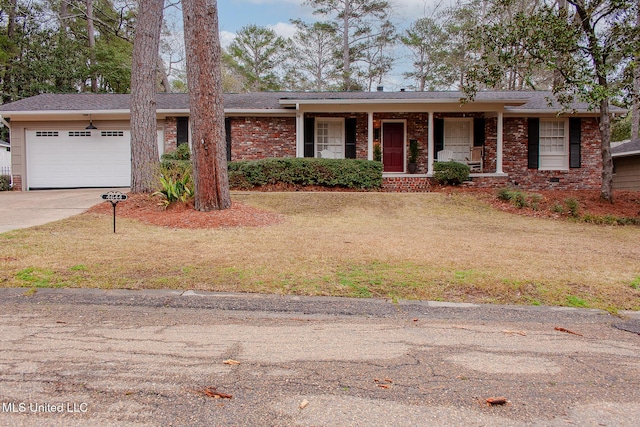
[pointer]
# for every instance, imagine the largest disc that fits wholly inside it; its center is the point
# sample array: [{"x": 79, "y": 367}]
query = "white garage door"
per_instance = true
[{"x": 78, "y": 158}]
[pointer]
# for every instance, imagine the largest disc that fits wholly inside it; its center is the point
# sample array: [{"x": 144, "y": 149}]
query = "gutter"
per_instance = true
[
  {"x": 626, "y": 154},
  {"x": 336, "y": 101}
]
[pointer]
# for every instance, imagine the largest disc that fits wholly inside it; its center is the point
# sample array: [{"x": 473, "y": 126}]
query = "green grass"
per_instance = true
[{"x": 436, "y": 246}]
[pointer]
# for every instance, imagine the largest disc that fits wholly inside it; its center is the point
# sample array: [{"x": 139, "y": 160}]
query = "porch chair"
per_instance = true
[
  {"x": 475, "y": 164},
  {"x": 445, "y": 155}
]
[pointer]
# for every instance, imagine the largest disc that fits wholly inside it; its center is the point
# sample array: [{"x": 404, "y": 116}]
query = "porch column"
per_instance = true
[
  {"x": 430, "y": 145},
  {"x": 299, "y": 133},
  {"x": 499, "y": 144},
  {"x": 370, "y": 136}
]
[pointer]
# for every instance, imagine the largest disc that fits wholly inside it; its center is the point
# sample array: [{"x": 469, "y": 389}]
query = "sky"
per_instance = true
[{"x": 276, "y": 14}]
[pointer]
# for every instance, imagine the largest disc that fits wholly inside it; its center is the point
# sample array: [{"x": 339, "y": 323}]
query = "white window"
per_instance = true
[
  {"x": 554, "y": 145},
  {"x": 458, "y": 137},
  {"x": 330, "y": 138}
]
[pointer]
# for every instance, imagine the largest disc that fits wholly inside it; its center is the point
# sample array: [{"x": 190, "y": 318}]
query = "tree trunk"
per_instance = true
[
  {"x": 606, "y": 191},
  {"x": 204, "y": 80},
  {"x": 92, "y": 45},
  {"x": 144, "y": 137},
  {"x": 346, "y": 54},
  {"x": 635, "y": 107}
]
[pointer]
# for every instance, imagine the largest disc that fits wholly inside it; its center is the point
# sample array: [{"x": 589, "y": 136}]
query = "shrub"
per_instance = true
[
  {"x": 450, "y": 173},
  {"x": 5, "y": 183},
  {"x": 520, "y": 199},
  {"x": 175, "y": 176},
  {"x": 573, "y": 206},
  {"x": 345, "y": 173}
]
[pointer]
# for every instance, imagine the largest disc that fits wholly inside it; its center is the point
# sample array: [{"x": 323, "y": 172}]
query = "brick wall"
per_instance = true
[
  {"x": 255, "y": 138},
  {"x": 587, "y": 177},
  {"x": 17, "y": 182},
  {"x": 407, "y": 184},
  {"x": 170, "y": 134}
]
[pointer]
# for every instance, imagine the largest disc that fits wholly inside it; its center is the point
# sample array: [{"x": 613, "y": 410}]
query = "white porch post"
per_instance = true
[
  {"x": 430, "y": 145},
  {"x": 299, "y": 133},
  {"x": 499, "y": 144},
  {"x": 370, "y": 136}
]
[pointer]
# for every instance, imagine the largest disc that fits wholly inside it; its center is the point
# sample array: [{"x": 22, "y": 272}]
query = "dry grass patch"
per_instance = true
[{"x": 433, "y": 246}]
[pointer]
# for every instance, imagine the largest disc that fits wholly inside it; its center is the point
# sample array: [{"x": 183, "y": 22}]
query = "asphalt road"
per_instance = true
[{"x": 81, "y": 357}]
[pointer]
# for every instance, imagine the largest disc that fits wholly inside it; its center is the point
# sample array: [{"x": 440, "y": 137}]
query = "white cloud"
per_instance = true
[
  {"x": 226, "y": 38},
  {"x": 284, "y": 29}
]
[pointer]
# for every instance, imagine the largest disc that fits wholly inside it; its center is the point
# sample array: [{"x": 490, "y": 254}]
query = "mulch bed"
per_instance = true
[{"x": 147, "y": 209}]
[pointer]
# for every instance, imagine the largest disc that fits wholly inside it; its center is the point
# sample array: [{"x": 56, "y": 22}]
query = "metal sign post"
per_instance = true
[{"x": 114, "y": 197}]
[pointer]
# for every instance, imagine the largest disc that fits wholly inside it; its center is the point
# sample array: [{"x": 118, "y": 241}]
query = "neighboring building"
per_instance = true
[
  {"x": 626, "y": 166},
  {"x": 522, "y": 139},
  {"x": 5, "y": 158}
]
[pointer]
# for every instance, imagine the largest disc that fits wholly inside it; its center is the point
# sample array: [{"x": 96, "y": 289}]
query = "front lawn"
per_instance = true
[{"x": 430, "y": 246}]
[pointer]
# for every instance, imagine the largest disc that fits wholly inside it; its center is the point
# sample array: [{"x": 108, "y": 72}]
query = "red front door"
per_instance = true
[{"x": 393, "y": 147}]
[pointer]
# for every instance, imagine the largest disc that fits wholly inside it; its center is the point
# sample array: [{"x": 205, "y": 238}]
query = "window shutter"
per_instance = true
[
  {"x": 478, "y": 131},
  {"x": 438, "y": 135},
  {"x": 309, "y": 136},
  {"x": 350, "y": 138},
  {"x": 534, "y": 143},
  {"x": 182, "y": 130},
  {"x": 227, "y": 131},
  {"x": 574, "y": 142}
]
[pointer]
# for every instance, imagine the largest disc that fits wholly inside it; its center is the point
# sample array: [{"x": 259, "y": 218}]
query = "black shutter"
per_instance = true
[
  {"x": 574, "y": 142},
  {"x": 227, "y": 131},
  {"x": 534, "y": 143},
  {"x": 438, "y": 135},
  {"x": 478, "y": 131},
  {"x": 309, "y": 133},
  {"x": 350, "y": 138},
  {"x": 182, "y": 130}
]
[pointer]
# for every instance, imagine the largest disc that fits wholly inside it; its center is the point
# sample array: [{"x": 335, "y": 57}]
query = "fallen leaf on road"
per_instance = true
[
  {"x": 523, "y": 333},
  {"x": 558, "y": 328},
  {"x": 304, "y": 404},
  {"x": 383, "y": 385},
  {"x": 212, "y": 392},
  {"x": 231, "y": 362},
  {"x": 496, "y": 401}
]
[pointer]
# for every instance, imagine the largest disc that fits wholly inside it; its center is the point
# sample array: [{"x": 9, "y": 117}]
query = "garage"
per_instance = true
[{"x": 78, "y": 158}]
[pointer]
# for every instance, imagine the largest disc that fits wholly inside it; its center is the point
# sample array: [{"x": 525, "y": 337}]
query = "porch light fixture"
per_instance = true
[{"x": 91, "y": 126}]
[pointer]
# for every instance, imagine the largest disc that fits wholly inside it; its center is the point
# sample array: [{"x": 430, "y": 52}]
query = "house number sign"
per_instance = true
[{"x": 114, "y": 197}]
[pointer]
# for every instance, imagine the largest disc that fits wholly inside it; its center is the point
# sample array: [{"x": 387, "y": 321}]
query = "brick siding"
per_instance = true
[
  {"x": 255, "y": 138},
  {"x": 263, "y": 137},
  {"x": 586, "y": 177}
]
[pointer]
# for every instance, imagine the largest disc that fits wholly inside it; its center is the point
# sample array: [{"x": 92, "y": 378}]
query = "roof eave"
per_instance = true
[{"x": 341, "y": 101}]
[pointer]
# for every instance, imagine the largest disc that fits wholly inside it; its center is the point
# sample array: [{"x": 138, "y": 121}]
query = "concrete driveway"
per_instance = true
[{"x": 22, "y": 209}]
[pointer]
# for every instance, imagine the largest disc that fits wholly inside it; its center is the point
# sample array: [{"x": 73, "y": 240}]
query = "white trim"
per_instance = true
[
  {"x": 565, "y": 154},
  {"x": 626, "y": 153},
  {"x": 318, "y": 120},
  {"x": 346, "y": 101},
  {"x": 430, "y": 144},
  {"x": 499, "y": 143},
  {"x": 299, "y": 134},
  {"x": 370, "y": 135},
  {"x": 468, "y": 120}
]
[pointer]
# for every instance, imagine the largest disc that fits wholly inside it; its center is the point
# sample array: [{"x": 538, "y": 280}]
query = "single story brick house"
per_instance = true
[
  {"x": 510, "y": 138},
  {"x": 626, "y": 165}
]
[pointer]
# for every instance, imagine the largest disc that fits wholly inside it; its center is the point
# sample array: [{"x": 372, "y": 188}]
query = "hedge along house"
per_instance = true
[{"x": 510, "y": 138}]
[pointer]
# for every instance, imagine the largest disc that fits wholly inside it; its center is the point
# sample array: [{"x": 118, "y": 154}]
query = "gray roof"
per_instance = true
[
  {"x": 628, "y": 148},
  {"x": 515, "y": 100}
]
